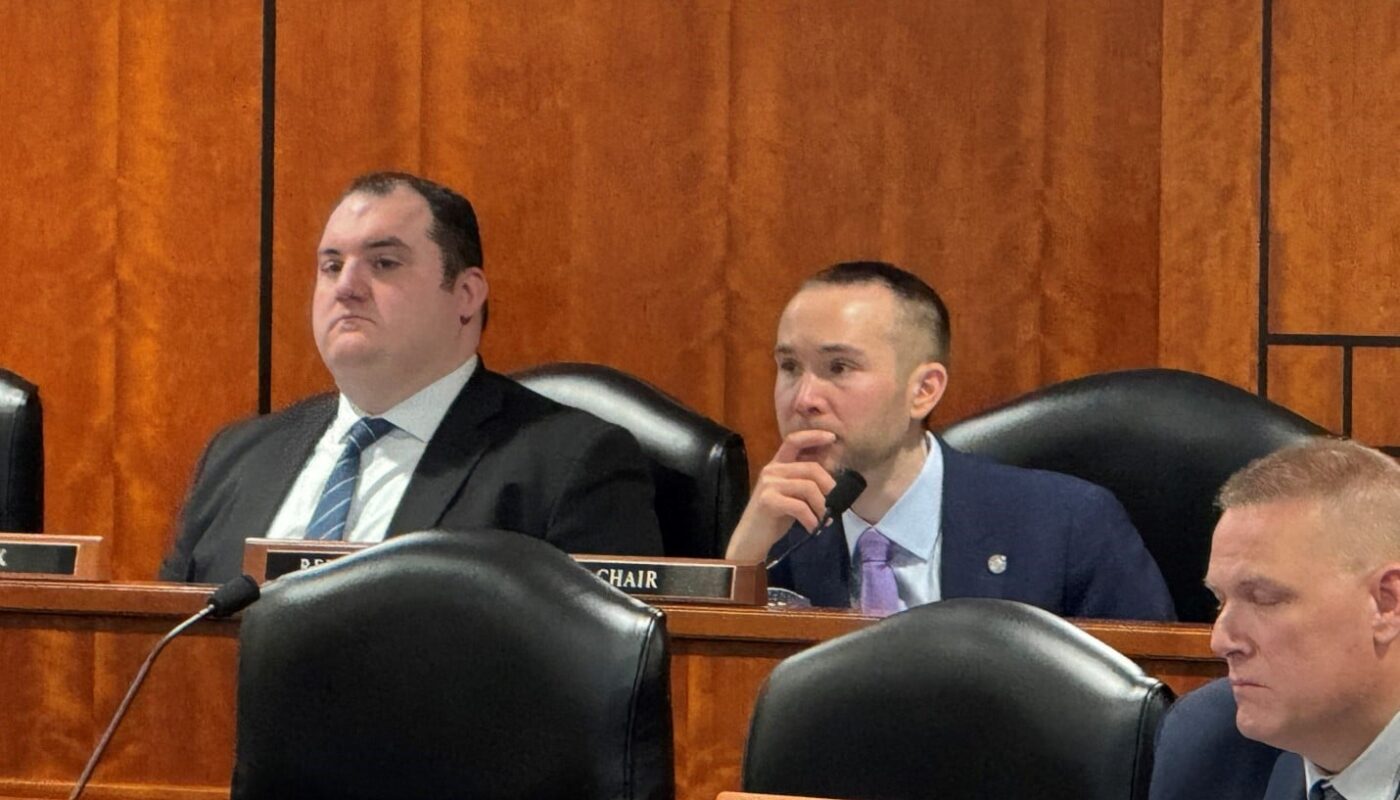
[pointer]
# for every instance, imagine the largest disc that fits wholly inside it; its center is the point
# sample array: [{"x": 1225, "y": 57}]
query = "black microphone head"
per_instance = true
[
  {"x": 234, "y": 596},
  {"x": 849, "y": 485}
]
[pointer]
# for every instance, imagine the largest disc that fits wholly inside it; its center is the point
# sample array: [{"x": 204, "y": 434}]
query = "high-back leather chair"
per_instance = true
[
  {"x": 478, "y": 664},
  {"x": 21, "y": 455},
  {"x": 970, "y": 697},
  {"x": 1163, "y": 441},
  {"x": 699, "y": 467}
]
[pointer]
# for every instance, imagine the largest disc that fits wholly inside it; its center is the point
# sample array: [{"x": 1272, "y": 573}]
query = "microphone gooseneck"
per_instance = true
[
  {"x": 849, "y": 486},
  {"x": 228, "y": 599}
]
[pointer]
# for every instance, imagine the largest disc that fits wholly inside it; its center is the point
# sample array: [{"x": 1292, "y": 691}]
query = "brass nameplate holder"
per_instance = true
[
  {"x": 41, "y": 556},
  {"x": 682, "y": 580},
  {"x": 269, "y": 559},
  {"x": 672, "y": 580}
]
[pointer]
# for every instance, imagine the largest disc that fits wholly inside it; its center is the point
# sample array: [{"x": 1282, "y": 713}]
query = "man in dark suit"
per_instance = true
[
  {"x": 421, "y": 435},
  {"x": 861, "y": 355},
  {"x": 1306, "y": 564}
]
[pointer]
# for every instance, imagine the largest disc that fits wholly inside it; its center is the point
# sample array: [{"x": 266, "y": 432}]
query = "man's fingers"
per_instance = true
[
  {"x": 783, "y": 494},
  {"x": 796, "y": 442},
  {"x": 799, "y": 511}
]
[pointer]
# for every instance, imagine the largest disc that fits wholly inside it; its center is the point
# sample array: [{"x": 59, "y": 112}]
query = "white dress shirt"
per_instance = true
[
  {"x": 914, "y": 524},
  {"x": 1374, "y": 775},
  {"x": 386, "y": 466}
]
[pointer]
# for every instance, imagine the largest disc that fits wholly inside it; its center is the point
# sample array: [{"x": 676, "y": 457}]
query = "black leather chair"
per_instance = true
[
  {"x": 452, "y": 665},
  {"x": 21, "y": 455},
  {"x": 1163, "y": 441},
  {"x": 700, "y": 468},
  {"x": 963, "y": 698}
]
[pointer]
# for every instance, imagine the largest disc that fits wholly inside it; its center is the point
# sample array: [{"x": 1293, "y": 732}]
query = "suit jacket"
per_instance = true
[
  {"x": 1200, "y": 753},
  {"x": 502, "y": 457},
  {"x": 1069, "y": 546}
]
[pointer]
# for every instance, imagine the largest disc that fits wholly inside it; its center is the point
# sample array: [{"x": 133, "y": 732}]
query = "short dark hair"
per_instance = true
[
  {"x": 1358, "y": 484},
  {"x": 922, "y": 304},
  {"x": 454, "y": 229}
]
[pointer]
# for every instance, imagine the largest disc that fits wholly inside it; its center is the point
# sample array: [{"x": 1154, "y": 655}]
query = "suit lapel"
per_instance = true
[
  {"x": 451, "y": 455},
  {"x": 967, "y": 542},
  {"x": 1286, "y": 782},
  {"x": 821, "y": 568},
  {"x": 277, "y": 465}
]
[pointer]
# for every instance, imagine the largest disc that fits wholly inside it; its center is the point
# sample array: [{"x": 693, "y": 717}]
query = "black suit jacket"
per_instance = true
[
  {"x": 1069, "y": 546},
  {"x": 503, "y": 457}
]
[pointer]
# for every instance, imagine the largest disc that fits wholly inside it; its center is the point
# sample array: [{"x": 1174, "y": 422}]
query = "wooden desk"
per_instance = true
[{"x": 68, "y": 651}]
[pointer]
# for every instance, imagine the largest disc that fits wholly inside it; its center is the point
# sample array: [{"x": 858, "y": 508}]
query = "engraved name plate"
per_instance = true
[
  {"x": 681, "y": 580},
  {"x": 45, "y": 557}
]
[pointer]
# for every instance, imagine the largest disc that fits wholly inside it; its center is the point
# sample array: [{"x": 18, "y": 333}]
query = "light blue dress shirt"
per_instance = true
[
  {"x": 1374, "y": 775},
  {"x": 914, "y": 524}
]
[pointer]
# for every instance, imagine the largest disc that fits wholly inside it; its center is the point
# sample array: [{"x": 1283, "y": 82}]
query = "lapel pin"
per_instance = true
[{"x": 996, "y": 563}]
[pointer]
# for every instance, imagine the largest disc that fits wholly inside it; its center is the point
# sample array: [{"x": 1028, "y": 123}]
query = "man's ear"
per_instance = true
[
  {"x": 471, "y": 290},
  {"x": 927, "y": 384},
  {"x": 1385, "y": 592}
]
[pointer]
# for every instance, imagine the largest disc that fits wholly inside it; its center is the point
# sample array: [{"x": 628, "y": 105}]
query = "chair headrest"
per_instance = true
[
  {"x": 699, "y": 467},
  {"x": 1163, "y": 441},
  {"x": 21, "y": 455}
]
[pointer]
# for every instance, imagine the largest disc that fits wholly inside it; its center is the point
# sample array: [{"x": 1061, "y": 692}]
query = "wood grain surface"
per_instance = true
[
  {"x": 68, "y": 651},
  {"x": 1081, "y": 181}
]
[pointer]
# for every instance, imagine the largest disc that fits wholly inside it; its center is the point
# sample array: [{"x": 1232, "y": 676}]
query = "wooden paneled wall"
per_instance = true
[{"x": 1084, "y": 182}]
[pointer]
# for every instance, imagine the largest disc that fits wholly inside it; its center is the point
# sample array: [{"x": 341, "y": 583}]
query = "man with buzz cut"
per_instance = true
[
  {"x": 421, "y": 434},
  {"x": 1305, "y": 562},
  {"x": 862, "y": 356}
]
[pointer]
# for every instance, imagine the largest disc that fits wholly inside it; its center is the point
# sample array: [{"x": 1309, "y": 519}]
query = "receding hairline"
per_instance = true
[
  {"x": 913, "y": 316},
  {"x": 1355, "y": 486}
]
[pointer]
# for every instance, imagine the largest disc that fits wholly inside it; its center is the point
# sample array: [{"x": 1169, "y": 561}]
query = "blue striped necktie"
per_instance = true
[{"x": 333, "y": 509}]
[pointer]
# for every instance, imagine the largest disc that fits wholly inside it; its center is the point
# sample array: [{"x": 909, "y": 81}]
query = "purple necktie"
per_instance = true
[{"x": 879, "y": 597}]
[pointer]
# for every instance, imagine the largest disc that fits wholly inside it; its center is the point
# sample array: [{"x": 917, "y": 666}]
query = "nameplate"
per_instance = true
[
  {"x": 55, "y": 558},
  {"x": 269, "y": 559},
  {"x": 682, "y": 580},
  {"x": 677, "y": 580}
]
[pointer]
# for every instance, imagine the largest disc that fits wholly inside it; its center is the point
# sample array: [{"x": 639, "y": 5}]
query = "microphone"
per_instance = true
[
  {"x": 224, "y": 601},
  {"x": 849, "y": 485}
]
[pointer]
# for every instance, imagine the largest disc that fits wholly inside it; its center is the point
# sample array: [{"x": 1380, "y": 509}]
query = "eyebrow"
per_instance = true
[
  {"x": 1254, "y": 583},
  {"x": 826, "y": 349},
  {"x": 373, "y": 244}
]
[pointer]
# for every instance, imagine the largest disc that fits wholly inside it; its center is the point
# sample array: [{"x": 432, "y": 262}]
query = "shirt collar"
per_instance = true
[
  {"x": 913, "y": 521},
  {"x": 418, "y": 415},
  {"x": 1373, "y": 775}
]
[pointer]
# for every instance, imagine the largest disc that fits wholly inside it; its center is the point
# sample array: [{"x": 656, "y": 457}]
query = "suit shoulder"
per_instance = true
[
  {"x": 1024, "y": 484},
  {"x": 313, "y": 412},
  {"x": 526, "y": 402}
]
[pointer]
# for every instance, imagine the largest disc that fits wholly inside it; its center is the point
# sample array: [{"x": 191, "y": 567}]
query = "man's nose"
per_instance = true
[
  {"x": 352, "y": 282},
  {"x": 1224, "y": 638},
  {"x": 808, "y": 398}
]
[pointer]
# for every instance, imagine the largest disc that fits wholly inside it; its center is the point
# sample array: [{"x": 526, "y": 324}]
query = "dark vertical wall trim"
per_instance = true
[
  {"x": 269, "y": 120},
  {"x": 1266, "y": 51},
  {"x": 1346, "y": 391}
]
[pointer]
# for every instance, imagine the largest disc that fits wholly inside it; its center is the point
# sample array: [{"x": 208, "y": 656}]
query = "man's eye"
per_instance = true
[
  {"x": 330, "y": 266},
  {"x": 385, "y": 263},
  {"x": 839, "y": 367},
  {"x": 1264, "y": 598},
  {"x": 787, "y": 367}
]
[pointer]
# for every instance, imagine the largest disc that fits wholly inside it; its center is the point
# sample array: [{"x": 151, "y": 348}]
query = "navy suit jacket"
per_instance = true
[
  {"x": 1069, "y": 546},
  {"x": 1201, "y": 753},
  {"x": 503, "y": 457}
]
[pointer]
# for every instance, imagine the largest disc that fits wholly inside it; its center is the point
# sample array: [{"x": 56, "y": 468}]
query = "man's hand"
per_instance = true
[{"x": 787, "y": 490}]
